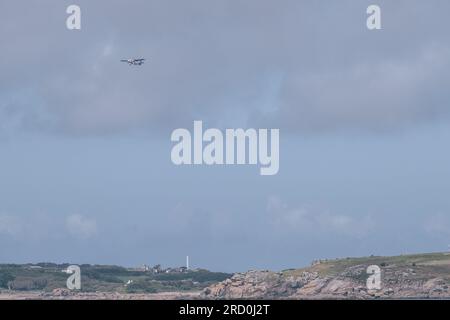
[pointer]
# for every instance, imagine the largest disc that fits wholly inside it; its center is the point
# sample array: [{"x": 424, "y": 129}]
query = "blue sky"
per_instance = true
[{"x": 85, "y": 166}]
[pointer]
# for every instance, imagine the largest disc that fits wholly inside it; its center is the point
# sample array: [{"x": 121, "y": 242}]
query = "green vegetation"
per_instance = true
[
  {"x": 5, "y": 278},
  {"x": 186, "y": 281},
  {"x": 423, "y": 265},
  {"x": 49, "y": 276}
]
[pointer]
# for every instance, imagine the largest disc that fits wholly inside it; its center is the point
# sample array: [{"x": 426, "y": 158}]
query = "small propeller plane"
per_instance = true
[{"x": 134, "y": 62}]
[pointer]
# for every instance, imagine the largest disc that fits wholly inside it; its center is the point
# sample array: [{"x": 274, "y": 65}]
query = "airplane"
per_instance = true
[{"x": 134, "y": 62}]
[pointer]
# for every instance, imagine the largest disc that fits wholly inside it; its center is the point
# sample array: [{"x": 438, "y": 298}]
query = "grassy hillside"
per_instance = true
[{"x": 428, "y": 265}]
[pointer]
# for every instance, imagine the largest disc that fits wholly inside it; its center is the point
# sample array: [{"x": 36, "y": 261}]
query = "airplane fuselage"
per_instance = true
[{"x": 134, "y": 62}]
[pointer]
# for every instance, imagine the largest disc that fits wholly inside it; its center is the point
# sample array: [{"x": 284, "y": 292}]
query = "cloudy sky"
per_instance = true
[{"x": 364, "y": 119}]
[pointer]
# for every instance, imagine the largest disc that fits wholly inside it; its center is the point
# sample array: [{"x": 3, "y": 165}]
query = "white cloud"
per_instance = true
[
  {"x": 308, "y": 219},
  {"x": 10, "y": 225},
  {"x": 81, "y": 227}
]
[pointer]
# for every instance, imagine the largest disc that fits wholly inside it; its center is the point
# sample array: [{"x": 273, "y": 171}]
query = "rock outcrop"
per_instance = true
[{"x": 339, "y": 279}]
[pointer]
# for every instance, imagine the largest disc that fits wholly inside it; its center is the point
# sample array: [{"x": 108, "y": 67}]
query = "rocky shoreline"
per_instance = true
[
  {"x": 349, "y": 284},
  {"x": 65, "y": 294}
]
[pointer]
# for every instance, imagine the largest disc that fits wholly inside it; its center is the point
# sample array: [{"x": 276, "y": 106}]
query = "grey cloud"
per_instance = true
[
  {"x": 298, "y": 65},
  {"x": 373, "y": 95}
]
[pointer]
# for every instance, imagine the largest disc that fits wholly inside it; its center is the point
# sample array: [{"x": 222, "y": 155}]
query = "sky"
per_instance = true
[{"x": 364, "y": 119}]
